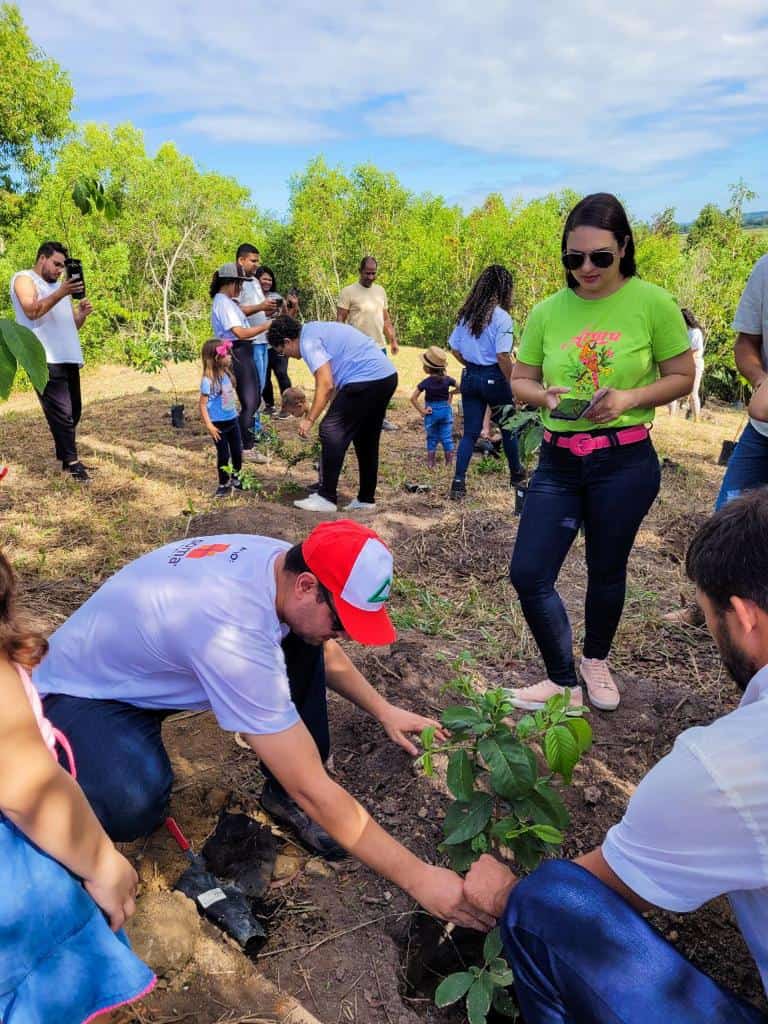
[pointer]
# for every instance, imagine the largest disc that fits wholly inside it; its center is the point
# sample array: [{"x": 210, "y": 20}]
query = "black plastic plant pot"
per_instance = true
[
  {"x": 520, "y": 493},
  {"x": 177, "y": 416},
  {"x": 726, "y": 451}
]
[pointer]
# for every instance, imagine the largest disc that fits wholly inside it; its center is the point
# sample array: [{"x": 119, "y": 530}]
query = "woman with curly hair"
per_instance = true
[{"x": 482, "y": 342}]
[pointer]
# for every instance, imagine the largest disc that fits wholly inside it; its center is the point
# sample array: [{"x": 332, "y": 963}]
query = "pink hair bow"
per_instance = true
[{"x": 223, "y": 348}]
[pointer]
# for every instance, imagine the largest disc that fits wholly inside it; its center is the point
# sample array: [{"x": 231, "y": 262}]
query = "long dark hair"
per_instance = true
[
  {"x": 691, "y": 321},
  {"x": 266, "y": 270},
  {"x": 602, "y": 210},
  {"x": 493, "y": 288},
  {"x": 20, "y": 637}
]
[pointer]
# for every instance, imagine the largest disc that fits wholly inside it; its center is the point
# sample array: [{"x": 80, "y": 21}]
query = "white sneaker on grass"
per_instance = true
[
  {"x": 315, "y": 503},
  {"x": 533, "y": 698},
  {"x": 253, "y": 456},
  {"x": 362, "y": 506}
]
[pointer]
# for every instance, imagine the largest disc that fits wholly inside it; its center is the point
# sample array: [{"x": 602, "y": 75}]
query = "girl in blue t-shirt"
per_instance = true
[{"x": 218, "y": 409}]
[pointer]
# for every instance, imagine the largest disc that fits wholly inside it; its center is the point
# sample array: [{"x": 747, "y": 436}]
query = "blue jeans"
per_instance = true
[
  {"x": 747, "y": 467},
  {"x": 122, "y": 764},
  {"x": 260, "y": 360},
  {"x": 482, "y": 386},
  {"x": 581, "y": 953},
  {"x": 439, "y": 426},
  {"x": 609, "y": 492}
]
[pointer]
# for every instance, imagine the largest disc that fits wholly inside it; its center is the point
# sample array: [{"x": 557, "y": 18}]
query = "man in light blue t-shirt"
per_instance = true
[
  {"x": 696, "y": 828},
  {"x": 352, "y": 374}
]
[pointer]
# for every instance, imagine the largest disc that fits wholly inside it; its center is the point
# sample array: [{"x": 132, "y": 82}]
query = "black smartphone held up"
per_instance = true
[
  {"x": 571, "y": 408},
  {"x": 74, "y": 270}
]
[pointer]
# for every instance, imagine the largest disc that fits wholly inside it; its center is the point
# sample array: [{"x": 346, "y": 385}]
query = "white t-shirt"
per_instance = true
[
  {"x": 697, "y": 825},
  {"x": 354, "y": 357},
  {"x": 752, "y": 317},
  {"x": 56, "y": 330},
  {"x": 251, "y": 294},
  {"x": 497, "y": 337},
  {"x": 696, "y": 338},
  {"x": 226, "y": 314},
  {"x": 190, "y": 625}
]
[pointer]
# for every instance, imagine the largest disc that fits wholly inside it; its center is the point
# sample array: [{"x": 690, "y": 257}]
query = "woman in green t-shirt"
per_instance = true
[{"x": 597, "y": 357}]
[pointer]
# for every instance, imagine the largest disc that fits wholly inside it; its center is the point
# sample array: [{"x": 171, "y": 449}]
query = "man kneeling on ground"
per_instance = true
[
  {"x": 246, "y": 626},
  {"x": 696, "y": 828}
]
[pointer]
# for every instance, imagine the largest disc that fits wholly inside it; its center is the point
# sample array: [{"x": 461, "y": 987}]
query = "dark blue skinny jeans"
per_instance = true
[
  {"x": 122, "y": 764},
  {"x": 482, "y": 386},
  {"x": 581, "y": 953},
  {"x": 747, "y": 467},
  {"x": 609, "y": 492}
]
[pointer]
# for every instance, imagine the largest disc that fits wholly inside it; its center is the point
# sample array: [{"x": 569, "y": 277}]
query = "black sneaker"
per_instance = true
[
  {"x": 458, "y": 490},
  {"x": 517, "y": 478},
  {"x": 78, "y": 472},
  {"x": 236, "y": 484},
  {"x": 268, "y": 410},
  {"x": 285, "y": 811},
  {"x": 223, "y": 491}
]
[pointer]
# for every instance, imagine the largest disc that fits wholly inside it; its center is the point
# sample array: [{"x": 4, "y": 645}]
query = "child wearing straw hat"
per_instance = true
[{"x": 438, "y": 390}]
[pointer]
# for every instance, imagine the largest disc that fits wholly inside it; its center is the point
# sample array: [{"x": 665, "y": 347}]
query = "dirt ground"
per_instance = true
[{"x": 338, "y": 934}]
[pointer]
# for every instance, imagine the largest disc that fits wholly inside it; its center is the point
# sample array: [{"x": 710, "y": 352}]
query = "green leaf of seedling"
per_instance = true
[
  {"x": 548, "y": 834},
  {"x": 501, "y": 978},
  {"x": 457, "y": 717},
  {"x": 498, "y": 964},
  {"x": 561, "y": 751},
  {"x": 453, "y": 988},
  {"x": 479, "y": 999},
  {"x": 475, "y": 815},
  {"x": 479, "y": 843},
  {"x": 461, "y": 857},
  {"x": 525, "y": 727},
  {"x": 27, "y": 351},
  {"x": 461, "y": 778},
  {"x": 427, "y": 737},
  {"x": 552, "y": 810},
  {"x": 506, "y": 828},
  {"x": 428, "y": 765},
  {"x": 504, "y": 1004},
  {"x": 581, "y": 732},
  {"x": 7, "y": 366},
  {"x": 492, "y": 945}
]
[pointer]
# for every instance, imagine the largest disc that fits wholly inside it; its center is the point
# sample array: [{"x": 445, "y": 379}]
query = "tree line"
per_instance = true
[{"x": 170, "y": 224}]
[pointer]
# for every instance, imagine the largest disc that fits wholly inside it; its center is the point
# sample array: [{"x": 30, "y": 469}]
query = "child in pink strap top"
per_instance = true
[{"x": 65, "y": 891}]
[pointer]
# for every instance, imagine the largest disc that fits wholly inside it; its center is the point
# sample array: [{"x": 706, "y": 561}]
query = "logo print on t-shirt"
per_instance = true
[
  {"x": 206, "y": 550},
  {"x": 594, "y": 357}
]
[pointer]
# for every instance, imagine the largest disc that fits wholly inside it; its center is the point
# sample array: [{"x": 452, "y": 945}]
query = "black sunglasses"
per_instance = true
[
  {"x": 601, "y": 258},
  {"x": 336, "y": 624}
]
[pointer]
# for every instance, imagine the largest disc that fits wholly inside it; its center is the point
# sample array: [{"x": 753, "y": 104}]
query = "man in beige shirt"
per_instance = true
[{"x": 364, "y": 306}]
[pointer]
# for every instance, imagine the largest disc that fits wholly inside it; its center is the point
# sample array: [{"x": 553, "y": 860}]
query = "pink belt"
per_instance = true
[{"x": 585, "y": 444}]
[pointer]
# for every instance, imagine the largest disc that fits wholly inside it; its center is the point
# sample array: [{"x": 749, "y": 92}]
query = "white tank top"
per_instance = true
[{"x": 56, "y": 330}]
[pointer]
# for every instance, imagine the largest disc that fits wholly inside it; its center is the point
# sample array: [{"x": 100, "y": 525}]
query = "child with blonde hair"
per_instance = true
[
  {"x": 218, "y": 410},
  {"x": 65, "y": 891}
]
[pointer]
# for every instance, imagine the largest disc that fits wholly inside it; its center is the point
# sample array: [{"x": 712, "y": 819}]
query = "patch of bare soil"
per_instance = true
[{"x": 338, "y": 934}]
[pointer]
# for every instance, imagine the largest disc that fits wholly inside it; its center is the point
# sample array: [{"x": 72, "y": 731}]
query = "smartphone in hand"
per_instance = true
[
  {"x": 571, "y": 408},
  {"x": 74, "y": 270}
]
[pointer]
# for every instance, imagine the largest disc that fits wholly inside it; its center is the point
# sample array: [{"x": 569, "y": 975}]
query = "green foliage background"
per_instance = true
[{"x": 148, "y": 265}]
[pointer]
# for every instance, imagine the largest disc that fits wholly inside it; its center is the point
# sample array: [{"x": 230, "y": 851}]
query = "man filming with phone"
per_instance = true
[{"x": 45, "y": 306}]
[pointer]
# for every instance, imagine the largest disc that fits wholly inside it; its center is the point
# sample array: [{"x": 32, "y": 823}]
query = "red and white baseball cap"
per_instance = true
[{"x": 355, "y": 565}]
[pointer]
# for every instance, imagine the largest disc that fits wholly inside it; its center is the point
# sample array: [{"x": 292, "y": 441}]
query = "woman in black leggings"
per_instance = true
[{"x": 350, "y": 366}]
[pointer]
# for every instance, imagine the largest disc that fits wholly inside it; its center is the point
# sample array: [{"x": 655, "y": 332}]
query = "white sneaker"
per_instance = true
[
  {"x": 389, "y": 425},
  {"x": 363, "y": 506},
  {"x": 315, "y": 503},
  {"x": 253, "y": 456}
]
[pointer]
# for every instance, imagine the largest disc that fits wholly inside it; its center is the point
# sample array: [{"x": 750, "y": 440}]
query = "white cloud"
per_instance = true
[{"x": 619, "y": 90}]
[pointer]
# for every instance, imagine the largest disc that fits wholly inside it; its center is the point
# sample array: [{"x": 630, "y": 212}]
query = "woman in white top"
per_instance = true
[
  {"x": 229, "y": 323},
  {"x": 696, "y": 338}
]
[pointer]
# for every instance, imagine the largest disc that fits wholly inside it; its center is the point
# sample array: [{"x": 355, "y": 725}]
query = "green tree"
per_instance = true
[{"x": 35, "y": 103}]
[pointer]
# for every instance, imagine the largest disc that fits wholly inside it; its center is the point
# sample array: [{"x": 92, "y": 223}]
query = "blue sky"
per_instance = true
[{"x": 663, "y": 107}]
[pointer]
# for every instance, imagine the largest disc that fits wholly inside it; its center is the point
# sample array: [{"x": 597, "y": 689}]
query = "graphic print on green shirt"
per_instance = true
[{"x": 615, "y": 342}]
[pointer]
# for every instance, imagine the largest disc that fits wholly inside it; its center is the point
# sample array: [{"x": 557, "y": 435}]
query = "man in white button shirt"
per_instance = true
[
  {"x": 45, "y": 307},
  {"x": 695, "y": 828}
]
